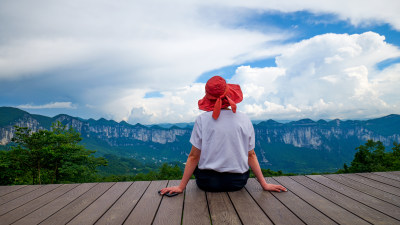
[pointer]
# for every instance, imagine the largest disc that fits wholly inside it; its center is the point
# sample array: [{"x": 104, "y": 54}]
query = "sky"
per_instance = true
[{"x": 148, "y": 61}]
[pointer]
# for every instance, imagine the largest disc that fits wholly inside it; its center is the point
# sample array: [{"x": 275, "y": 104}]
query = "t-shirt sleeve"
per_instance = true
[
  {"x": 195, "y": 138},
  {"x": 252, "y": 138}
]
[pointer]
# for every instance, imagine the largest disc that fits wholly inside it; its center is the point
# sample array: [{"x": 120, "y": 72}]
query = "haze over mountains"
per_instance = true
[{"x": 303, "y": 146}]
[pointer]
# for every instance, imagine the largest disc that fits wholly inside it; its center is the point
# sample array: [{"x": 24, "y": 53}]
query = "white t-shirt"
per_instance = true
[{"x": 224, "y": 143}]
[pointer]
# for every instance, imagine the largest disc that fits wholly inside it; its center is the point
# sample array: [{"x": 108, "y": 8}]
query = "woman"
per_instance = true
[{"x": 223, "y": 142}]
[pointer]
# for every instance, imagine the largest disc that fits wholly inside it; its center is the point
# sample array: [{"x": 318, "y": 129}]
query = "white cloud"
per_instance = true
[
  {"x": 106, "y": 55},
  {"x": 52, "y": 105},
  {"x": 358, "y": 12},
  {"x": 257, "y": 81},
  {"x": 388, "y": 84},
  {"x": 179, "y": 105},
  {"x": 305, "y": 84},
  {"x": 148, "y": 44}
]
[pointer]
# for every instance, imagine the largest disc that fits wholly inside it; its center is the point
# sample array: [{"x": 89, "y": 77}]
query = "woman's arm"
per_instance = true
[
  {"x": 191, "y": 163},
  {"x": 255, "y": 167}
]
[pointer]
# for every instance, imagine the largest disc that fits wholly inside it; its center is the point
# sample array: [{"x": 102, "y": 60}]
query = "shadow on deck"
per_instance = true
[{"x": 329, "y": 199}]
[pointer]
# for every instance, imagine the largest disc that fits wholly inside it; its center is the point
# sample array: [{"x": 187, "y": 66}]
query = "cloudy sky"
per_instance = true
[{"x": 148, "y": 61}]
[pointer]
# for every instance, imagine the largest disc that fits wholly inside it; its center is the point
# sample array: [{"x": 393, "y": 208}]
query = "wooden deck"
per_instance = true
[{"x": 367, "y": 198}]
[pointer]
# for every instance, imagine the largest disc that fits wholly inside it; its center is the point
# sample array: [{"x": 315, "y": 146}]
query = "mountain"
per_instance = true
[
  {"x": 303, "y": 146},
  {"x": 308, "y": 146},
  {"x": 153, "y": 144}
]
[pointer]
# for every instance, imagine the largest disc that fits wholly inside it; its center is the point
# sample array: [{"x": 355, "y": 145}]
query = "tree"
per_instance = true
[
  {"x": 32, "y": 152},
  {"x": 168, "y": 172},
  {"x": 394, "y": 157},
  {"x": 372, "y": 157},
  {"x": 53, "y": 156},
  {"x": 69, "y": 160},
  {"x": 6, "y": 169}
]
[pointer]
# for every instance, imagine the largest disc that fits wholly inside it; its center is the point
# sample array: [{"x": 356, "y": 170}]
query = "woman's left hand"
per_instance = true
[
  {"x": 274, "y": 187},
  {"x": 174, "y": 189}
]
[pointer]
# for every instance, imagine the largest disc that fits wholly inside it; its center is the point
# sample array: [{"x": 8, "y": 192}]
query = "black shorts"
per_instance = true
[{"x": 213, "y": 181}]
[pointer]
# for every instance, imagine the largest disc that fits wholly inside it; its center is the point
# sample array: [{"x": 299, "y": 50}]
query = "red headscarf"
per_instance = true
[{"x": 220, "y": 95}]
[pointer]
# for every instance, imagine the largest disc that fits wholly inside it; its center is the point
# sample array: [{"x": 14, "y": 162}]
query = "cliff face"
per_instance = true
[
  {"x": 292, "y": 147},
  {"x": 109, "y": 131},
  {"x": 7, "y": 132},
  {"x": 320, "y": 135}
]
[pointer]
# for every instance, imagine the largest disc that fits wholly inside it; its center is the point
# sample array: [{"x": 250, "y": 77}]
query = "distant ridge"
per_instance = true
[
  {"x": 9, "y": 114},
  {"x": 302, "y": 146}
]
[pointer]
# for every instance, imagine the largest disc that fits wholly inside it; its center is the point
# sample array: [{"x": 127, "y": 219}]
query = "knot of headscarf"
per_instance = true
[{"x": 218, "y": 102}]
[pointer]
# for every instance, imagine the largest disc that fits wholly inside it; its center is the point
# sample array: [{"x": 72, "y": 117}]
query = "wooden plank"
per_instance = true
[
  {"x": 121, "y": 209},
  {"x": 383, "y": 195},
  {"x": 18, "y": 193},
  {"x": 248, "y": 210},
  {"x": 146, "y": 208},
  {"x": 389, "y": 175},
  {"x": 7, "y": 189},
  {"x": 27, "y": 198},
  {"x": 371, "y": 210},
  {"x": 31, "y": 206},
  {"x": 195, "y": 209},
  {"x": 221, "y": 209},
  {"x": 395, "y": 173},
  {"x": 75, "y": 207},
  {"x": 41, "y": 214},
  {"x": 373, "y": 183},
  {"x": 299, "y": 207},
  {"x": 275, "y": 210},
  {"x": 170, "y": 210},
  {"x": 93, "y": 212},
  {"x": 324, "y": 205},
  {"x": 381, "y": 179}
]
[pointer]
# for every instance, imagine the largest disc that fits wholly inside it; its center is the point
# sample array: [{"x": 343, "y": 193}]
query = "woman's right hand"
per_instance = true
[{"x": 174, "y": 189}]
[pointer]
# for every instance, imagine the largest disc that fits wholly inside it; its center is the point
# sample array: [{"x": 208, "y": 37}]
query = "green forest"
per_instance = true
[
  {"x": 56, "y": 156},
  {"x": 373, "y": 157}
]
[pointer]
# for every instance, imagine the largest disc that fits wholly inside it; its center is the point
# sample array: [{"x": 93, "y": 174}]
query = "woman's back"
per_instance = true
[{"x": 224, "y": 143}]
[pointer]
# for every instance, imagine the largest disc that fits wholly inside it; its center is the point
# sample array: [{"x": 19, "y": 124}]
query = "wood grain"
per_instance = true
[
  {"x": 27, "y": 198},
  {"x": 125, "y": 204},
  {"x": 394, "y": 173},
  {"x": 93, "y": 212},
  {"x": 170, "y": 210},
  {"x": 221, "y": 209},
  {"x": 195, "y": 210},
  {"x": 389, "y": 175},
  {"x": 247, "y": 208},
  {"x": 8, "y": 189},
  {"x": 18, "y": 193},
  {"x": 370, "y": 198},
  {"x": 383, "y": 195},
  {"x": 324, "y": 205},
  {"x": 275, "y": 210},
  {"x": 64, "y": 215},
  {"x": 307, "y": 213},
  {"x": 373, "y": 183},
  {"x": 47, "y": 210},
  {"x": 146, "y": 208},
  {"x": 381, "y": 179},
  {"x": 348, "y": 200},
  {"x": 31, "y": 206}
]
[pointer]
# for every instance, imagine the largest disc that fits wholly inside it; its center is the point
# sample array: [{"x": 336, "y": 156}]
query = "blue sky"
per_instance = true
[
  {"x": 148, "y": 61},
  {"x": 305, "y": 25}
]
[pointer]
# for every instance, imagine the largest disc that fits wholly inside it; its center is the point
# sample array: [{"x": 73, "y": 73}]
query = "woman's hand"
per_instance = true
[
  {"x": 273, "y": 187},
  {"x": 174, "y": 189},
  {"x": 191, "y": 163}
]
